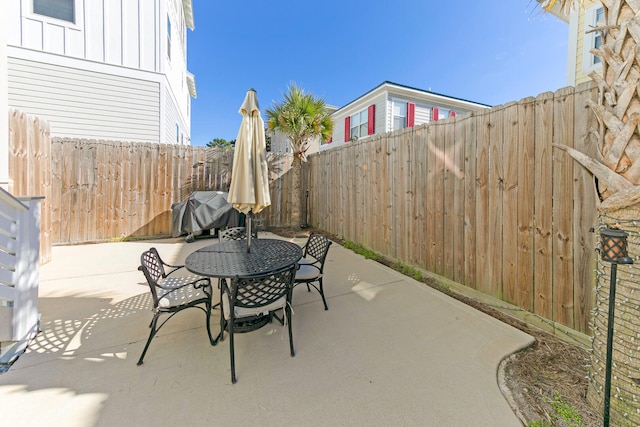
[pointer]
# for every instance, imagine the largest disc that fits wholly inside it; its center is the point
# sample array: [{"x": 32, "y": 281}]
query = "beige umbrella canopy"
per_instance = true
[{"x": 249, "y": 191}]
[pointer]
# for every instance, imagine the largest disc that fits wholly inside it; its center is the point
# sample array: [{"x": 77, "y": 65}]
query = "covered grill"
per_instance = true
[{"x": 203, "y": 212}]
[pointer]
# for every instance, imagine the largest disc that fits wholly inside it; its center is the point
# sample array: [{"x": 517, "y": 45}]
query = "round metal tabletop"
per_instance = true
[{"x": 230, "y": 258}]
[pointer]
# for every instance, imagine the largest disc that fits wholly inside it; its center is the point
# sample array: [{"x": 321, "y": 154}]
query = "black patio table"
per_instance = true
[{"x": 230, "y": 258}]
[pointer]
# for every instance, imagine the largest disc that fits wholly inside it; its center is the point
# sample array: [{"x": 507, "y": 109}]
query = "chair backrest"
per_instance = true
[
  {"x": 153, "y": 268},
  {"x": 260, "y": 291},
  {"x": 317, "y": 247},
  {"x": 236, "y": 233},
  {"x": 152, "y": 265}
]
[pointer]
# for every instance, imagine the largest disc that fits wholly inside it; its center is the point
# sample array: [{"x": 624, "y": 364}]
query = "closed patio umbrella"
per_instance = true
[{"x": 249, "y": 191}]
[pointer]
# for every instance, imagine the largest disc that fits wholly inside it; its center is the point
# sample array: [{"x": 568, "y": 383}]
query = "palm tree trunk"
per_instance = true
[
  {"x": 296, "y": 193},
  {"x": 618, "y": 113}
]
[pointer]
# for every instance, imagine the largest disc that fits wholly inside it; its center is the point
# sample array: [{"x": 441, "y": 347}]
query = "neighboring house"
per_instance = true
[
  {"x": 391, "y": 106},
  {"x": 108, "y": 69},
  {"x": 581, "y": 61},
  {"x": 281, "y": 144}
]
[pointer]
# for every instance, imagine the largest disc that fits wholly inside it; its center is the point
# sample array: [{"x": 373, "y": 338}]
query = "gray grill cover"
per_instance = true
[{"x": 205, "y": 210}]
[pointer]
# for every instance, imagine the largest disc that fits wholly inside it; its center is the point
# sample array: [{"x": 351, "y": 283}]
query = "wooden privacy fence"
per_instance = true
[
  {"x": 102, "y": 190},
  {"x": 29, "y": 168},
  {"x": 482, "y": 199}
]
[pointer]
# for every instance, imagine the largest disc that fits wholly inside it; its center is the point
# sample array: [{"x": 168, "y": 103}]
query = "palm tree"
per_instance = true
[
  {"x": 617, "y": 169},
  {"x": 301, "y": 117}
]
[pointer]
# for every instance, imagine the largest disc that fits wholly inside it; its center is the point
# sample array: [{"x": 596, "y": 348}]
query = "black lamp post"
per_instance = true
[{"x": 614, "y": 250}]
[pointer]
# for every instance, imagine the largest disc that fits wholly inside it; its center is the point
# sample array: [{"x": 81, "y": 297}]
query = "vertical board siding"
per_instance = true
[{"x": 482, "y": 198}]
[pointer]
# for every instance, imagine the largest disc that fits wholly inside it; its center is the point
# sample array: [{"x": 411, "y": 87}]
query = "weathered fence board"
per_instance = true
[
  {"x": 526, "y": 203},
  {"x": 470, "y": 218},
  {"x": 563, "y": 207},
  {"x": 510, "y": 203},
  {"x": 543, "y": 280},
  {"x": 584, "y": 194}
]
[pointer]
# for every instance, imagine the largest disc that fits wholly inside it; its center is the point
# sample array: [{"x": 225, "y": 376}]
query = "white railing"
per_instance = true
[{"x": 19, "y": 271}]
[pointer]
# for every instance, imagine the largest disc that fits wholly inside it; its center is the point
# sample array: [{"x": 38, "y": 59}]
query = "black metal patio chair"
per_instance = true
[
  {"x": 172, "y": 294},
  {"x": 250, "y": 303},
  {"x": 236, "y": 233},
  {"x": 311, "y": 266}
]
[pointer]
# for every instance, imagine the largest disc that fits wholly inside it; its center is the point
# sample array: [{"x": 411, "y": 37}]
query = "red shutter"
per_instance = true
[
  {"x": 452, "y": 113},
  {"x": 434, "y": 114},
  {"x": 347, "y": 129},
  {"x": 411, "y": 114},
  {"x": 372, "y": 120}
]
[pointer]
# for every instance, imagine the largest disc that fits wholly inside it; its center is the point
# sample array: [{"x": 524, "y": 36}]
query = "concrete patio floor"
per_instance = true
[{"x": 390, "y": 351}]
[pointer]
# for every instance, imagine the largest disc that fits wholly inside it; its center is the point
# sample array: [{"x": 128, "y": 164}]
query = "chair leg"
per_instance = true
[
  {"x": 211, "y": 340},
  {"x": 321, "y": 289},
  {"x": 288, "y": 314},
  {"x": 222, "y": 321},
  {"x": 152, "y": 333},
  {"x": 232, "y": 353}
]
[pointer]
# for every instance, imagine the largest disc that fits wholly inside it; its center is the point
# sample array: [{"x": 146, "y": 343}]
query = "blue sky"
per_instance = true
[{"x": 490, "y": 52}]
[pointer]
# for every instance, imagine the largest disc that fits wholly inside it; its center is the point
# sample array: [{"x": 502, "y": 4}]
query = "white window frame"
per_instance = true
[
  {"x": 401, "y": 105},
  {"x": 169, "y": 25},
  {"x": 75, "y": 12},
  {"x": 590, "y": 62},
  {"x": 78, "y": 11},
  {"x": 356, "y": 124}
]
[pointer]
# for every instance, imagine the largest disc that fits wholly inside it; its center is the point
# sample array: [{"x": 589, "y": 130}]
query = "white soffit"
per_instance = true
[
  {"x": 187, "y": 7},
  {"x": 191, "y": 84}
]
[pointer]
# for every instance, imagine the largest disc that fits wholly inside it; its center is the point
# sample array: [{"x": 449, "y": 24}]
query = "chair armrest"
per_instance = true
[
  {"x": 174, "y": 267},
  {"x": 197, "y": 283}
]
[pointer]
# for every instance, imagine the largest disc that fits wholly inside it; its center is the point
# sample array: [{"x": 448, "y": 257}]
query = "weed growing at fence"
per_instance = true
[
  {"x": 361, "y": 250},
  {"x": 407, "y": 270}
]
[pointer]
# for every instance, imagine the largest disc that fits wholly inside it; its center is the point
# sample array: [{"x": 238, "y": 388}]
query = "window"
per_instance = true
[
  {"x": 168, "y": 37},
  {"x": 597, "y": 39},
  {"x": 359, "y": 125},
  {"x": 593, "y": 17},
  {"x": 58, "y": 9},
  {"x": 399, "y": 114},
  {"x": 177, "y": 133}
]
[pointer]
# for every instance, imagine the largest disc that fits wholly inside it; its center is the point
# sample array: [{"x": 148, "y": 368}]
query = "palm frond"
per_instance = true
[
  {"x": 564, "y": 5},
  {"x": 301, "y": 117}
]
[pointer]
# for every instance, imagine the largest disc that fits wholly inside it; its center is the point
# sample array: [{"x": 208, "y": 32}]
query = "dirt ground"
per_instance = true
[{"x": 550, "y": 368}]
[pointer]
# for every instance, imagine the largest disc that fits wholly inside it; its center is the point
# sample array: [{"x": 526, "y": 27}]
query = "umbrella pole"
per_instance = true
[{"x": 249, "y": 218}]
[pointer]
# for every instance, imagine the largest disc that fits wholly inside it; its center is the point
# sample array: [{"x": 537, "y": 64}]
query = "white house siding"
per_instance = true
[
  {"x": 86, "y": 104},
  {"x": 173, "y": 118},
  {"x": 422, "y": 113},
  {"x": 125, "y": 41},
  {"x": 383, "y": 97},
  {"x": 380, "y": 101}
]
